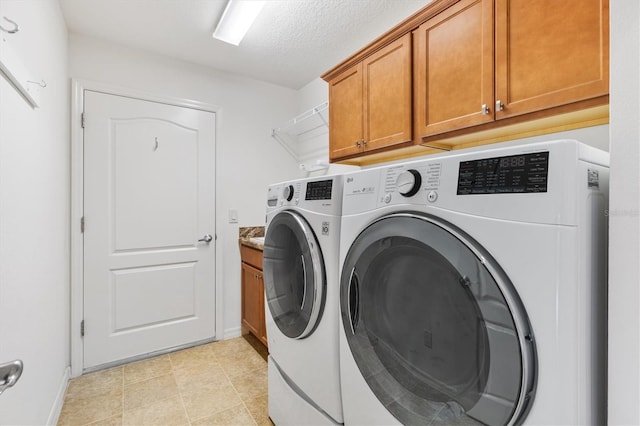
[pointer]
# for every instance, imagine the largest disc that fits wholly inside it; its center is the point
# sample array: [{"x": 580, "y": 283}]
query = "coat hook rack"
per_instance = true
[
  {"x": 15, "y": 28},
  {"x": 40, "y": 83},
  {"x": 12, "y": 68}
]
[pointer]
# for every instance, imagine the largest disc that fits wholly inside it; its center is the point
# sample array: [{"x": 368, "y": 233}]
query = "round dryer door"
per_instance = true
[
  {"x": 294, "y": 275},
  {"x": 434, "y": 325}
]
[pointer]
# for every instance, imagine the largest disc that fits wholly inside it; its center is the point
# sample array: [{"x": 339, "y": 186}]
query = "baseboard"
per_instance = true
[
  {"x": 230, "y": 333},
  {"x": 56, "y": 408}
]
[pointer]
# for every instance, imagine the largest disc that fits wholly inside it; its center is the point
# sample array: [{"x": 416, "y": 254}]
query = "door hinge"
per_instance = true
[
  {"x": 82, "y": 225},
  {"x": 82, "y": 120},
  {"x": 82, "y": 328}
]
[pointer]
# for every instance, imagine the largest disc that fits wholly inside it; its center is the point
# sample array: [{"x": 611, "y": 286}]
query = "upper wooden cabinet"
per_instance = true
[
  {"x": 460, "y": 73},
  {"x": 345, "y": 113},
  {"x": 454, "y": 68},
  {"x": 550, "y": 53},
  {"x": 547, "y": 53},
  {"x": 370, "y": 103}
]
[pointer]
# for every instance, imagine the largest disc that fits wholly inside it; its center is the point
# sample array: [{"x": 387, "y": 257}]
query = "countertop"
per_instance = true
[{"x": 252, "y": 236}]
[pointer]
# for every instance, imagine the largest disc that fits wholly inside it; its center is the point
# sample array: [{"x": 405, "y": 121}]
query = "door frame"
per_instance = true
[{"x": 78, "y": 86}]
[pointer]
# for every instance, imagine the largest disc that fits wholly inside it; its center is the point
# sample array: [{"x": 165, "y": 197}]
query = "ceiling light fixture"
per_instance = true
[{"x": 236, "y": 20}]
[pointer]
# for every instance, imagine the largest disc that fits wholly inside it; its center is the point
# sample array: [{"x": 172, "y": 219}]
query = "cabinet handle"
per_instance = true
[
  {"x": 364, "y": 143},
  {"x": 499, "y": 105},
  {"x": 358, "y": 144},
  {"x": 485, "y": 109}
]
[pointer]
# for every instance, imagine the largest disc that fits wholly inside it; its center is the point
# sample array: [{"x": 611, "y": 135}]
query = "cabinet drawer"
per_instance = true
[{"x": 251, "y": 256}]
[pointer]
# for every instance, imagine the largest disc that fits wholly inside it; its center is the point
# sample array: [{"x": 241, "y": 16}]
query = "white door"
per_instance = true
[{"x": 148, "y": 205}]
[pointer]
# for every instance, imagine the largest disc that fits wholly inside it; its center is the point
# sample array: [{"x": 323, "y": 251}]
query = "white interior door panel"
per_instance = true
[{"x": 149, "y": 195}]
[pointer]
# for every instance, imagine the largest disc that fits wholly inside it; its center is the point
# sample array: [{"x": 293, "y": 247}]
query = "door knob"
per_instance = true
[
  {"x": 206, "y": 239},
  {"x": 9, "y": 374}
]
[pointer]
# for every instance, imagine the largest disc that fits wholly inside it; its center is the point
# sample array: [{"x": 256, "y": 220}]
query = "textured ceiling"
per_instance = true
[{"x": 291, "y": 42}]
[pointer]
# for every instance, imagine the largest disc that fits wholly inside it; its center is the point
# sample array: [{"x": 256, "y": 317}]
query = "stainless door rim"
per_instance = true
[
  {"x": 317, "y": 295},
  {"x": 516, "y": 307}
]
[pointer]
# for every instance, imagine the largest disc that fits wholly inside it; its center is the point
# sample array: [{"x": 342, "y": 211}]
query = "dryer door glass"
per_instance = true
[
  {"x": 434, "y": 325},
  {"x": 294, "y": 277}
]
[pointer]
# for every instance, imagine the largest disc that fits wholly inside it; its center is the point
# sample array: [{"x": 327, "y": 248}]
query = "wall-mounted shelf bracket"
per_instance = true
[{"x": 305, "y": 126}]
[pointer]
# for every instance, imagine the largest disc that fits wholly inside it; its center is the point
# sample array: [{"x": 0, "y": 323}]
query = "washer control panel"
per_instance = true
[{"x": 323, "y": 194}]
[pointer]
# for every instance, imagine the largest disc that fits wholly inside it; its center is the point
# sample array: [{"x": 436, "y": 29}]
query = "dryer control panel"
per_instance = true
[
  {"x": 416, "y": 183},
  {"x": 533, "y": 182},
  {"x": 524, "y": 173}
]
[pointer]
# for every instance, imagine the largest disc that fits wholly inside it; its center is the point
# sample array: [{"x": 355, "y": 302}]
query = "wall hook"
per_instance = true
[
  {"x": 40, "y": 83},
  {"x": 11, "y": 31}
]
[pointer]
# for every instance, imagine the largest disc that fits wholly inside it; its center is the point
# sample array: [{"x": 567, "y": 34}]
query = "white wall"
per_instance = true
[
  {"x": 247, "y": 158},
  {"x": 624, "y": 217},
  {"x": 34, "y": 217}
]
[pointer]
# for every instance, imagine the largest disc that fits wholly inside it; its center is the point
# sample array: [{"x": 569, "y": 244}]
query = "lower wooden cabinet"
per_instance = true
[{"x": 253, "y": 318}]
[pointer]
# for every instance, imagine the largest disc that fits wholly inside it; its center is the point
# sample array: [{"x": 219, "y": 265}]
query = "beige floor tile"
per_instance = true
[
  {"x": 187, "y": 357},
  {"x": 238, "y": 416},
  {"x": 259, "y": 409},
  {"x": 230, "y": 347},
  {"x": 220, "y": 383},
  {"x": 241, "y": 363},
  {"x": 145, "y": 393},
  {"x": 84, "y": 410},
  {"x": 197, "y": 371},
  {"x": 111, "y": 421},
  {"x": 166, "y": 412},
  {"x": 251, "y": 385},
  {"x": 192, "y": 381},
  {"x": 147, "y": 369},
  {"x": 210, "y": 400},
  {"x": 95, "y": 383}
]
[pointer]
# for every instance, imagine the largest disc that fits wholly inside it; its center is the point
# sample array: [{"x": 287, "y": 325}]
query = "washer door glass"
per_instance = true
[
  {"x": 294, "y": 275},
  {"x": 434, "y": 325}
]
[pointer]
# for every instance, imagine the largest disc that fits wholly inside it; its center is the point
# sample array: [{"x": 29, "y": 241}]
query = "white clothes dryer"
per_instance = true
[
  {"x": 473, "y": 288},
  {"x": 301, "y": 287}
]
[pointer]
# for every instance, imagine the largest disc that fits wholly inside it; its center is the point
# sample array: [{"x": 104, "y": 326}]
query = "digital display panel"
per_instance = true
[
  {"x": 319, "y": 190},
  {"x": 524, "y": 173}
]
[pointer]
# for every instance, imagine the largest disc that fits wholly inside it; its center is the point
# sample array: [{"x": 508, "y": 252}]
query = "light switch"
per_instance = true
[{"x": 233, "y": 216}]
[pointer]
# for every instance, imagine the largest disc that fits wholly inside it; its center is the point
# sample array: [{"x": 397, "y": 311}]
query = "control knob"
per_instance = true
[
  {"x": 287, "y": 192},
  {"x": 409, "y": 182}
]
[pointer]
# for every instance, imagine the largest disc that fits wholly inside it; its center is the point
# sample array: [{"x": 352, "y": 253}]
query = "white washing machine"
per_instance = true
[
  {"x": 473, "y": 288},
  {"x": 301, "y": 287}
]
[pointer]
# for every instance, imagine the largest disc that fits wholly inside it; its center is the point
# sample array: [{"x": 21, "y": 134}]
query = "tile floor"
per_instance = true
[{"x": 220, "y": 383}]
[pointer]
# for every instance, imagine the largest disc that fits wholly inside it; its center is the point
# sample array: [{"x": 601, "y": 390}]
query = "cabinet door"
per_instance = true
[
  {"x": 262, "y": 330},
  {"x": 454, "y": 51},
  {"x": 387, "y": 89},
  {"x": 252, "y": 300},
  {"x": 550, "y": 53},
  {"x": 345, "y": 113}
]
